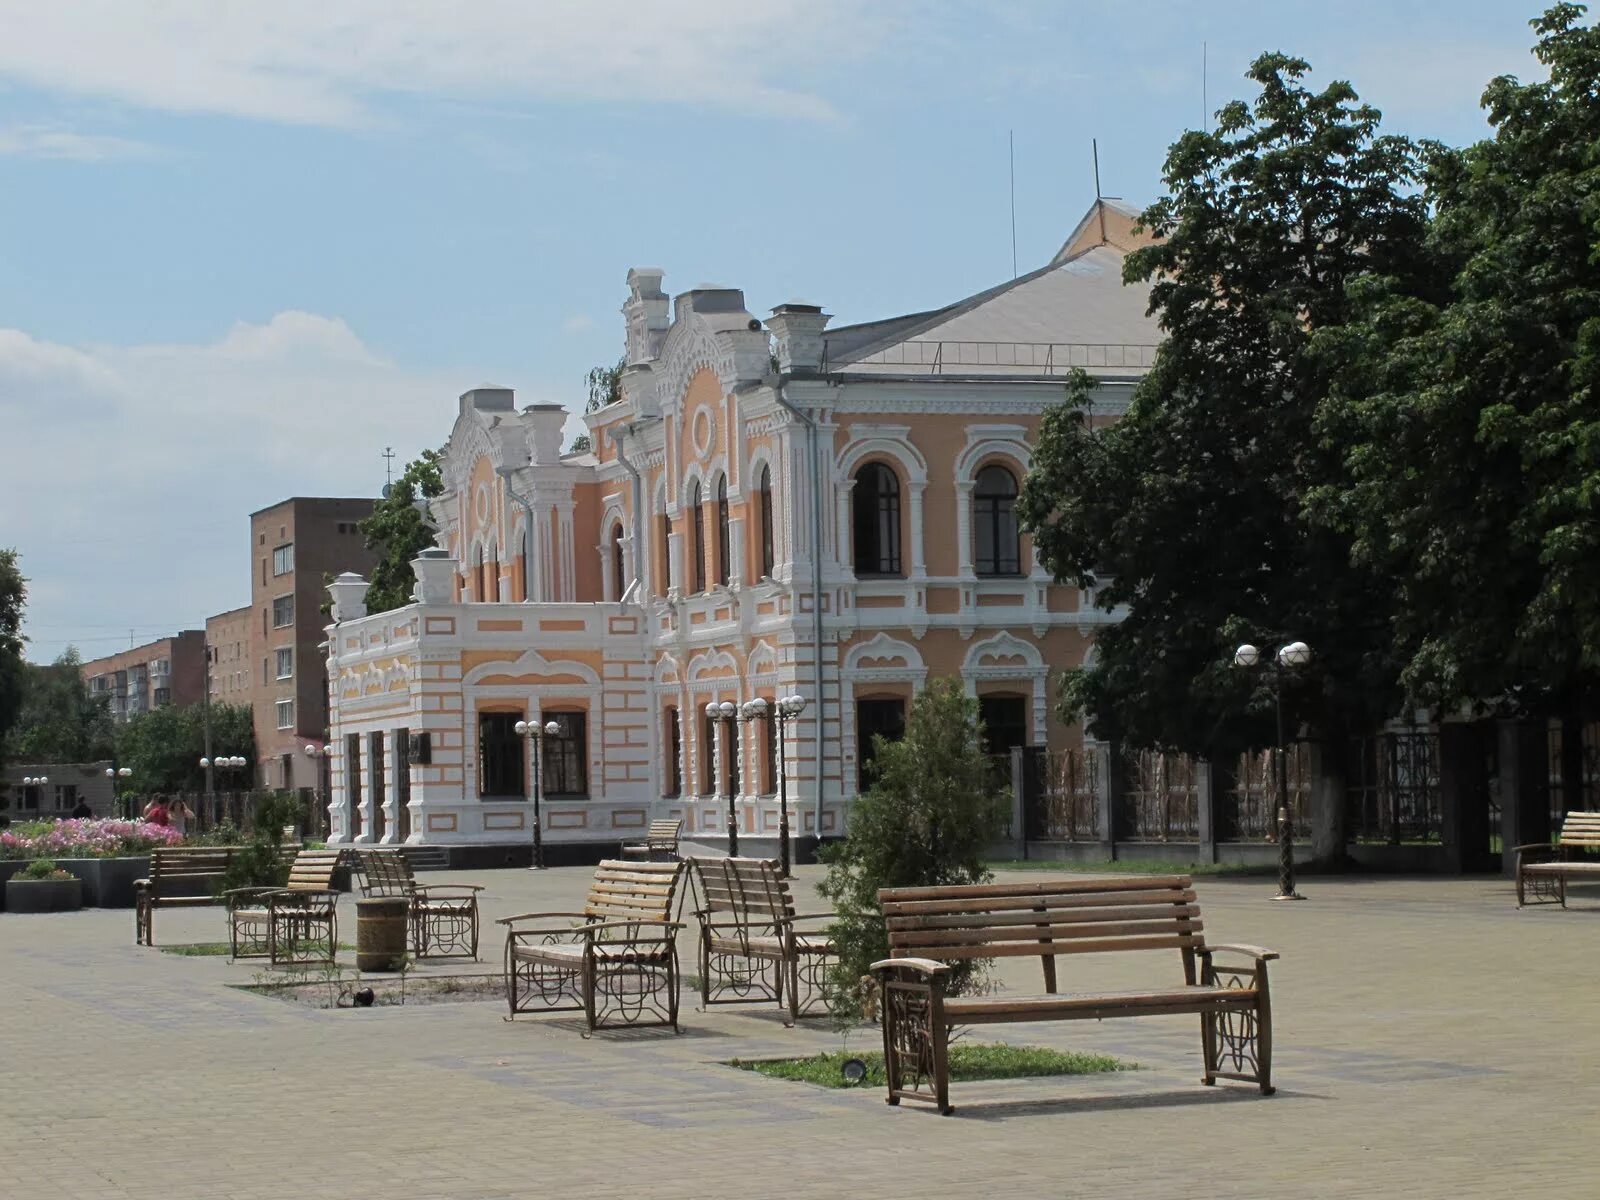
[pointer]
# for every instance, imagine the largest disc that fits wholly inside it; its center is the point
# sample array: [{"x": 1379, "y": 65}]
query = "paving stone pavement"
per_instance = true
[{"x": 1432, "y": 1042}]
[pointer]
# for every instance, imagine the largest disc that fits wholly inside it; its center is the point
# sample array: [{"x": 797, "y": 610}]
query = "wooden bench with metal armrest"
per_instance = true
[
  {"x": 930, "y": 928},
  {"x": 660, "y": 843},
  {"x": 617, "y": 960},
  {"x": 443, "y": 917},
  {"x": 180, "y": 877},
  {"x": 295, "y": 923},
  {"x": 1543, "y": 869},
  {"x": 751, "y": 946}
]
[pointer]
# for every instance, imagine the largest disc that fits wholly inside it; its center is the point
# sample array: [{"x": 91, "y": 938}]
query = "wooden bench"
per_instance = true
[
  {"x": 443, "y": 917},
  {"x": 930, "y": 928},
  {"x": 617, "y": 960},
  {"x": 1543, "y": 869},
  {"x": 750, "y": 948},
  {"x": 295, "y": 923},
  {"x": 660, "y": 843},
  {"x": 180, "y": 877}
]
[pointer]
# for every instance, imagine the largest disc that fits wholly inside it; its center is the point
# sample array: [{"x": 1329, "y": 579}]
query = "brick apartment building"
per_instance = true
[
  {"x": 169, "y": 671},
  {"x": 228, "y": 647},
  {"x": 296, "y": 547}
]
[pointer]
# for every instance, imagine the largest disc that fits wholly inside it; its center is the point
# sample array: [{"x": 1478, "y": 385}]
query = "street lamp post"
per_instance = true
[
  {"x": 1290, "y": 657},
  {"x": 784, "y": 710},
  {"x": 114, "y": 773},
  {"x": 724, "y": 712},
  {"x": 536, "y": 735},
  {"x": 222, "y": 763},
  {"x": 324, "y": 787}
]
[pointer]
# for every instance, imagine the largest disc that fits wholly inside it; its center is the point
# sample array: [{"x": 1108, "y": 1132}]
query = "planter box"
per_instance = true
[
  {"x": 44, "y": 895},
  {"x": 107, "y": 882}
]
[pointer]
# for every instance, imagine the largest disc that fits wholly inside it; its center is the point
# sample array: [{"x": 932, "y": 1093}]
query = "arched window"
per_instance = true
[
  {"x": 619, "y": 582},
  {"x": 697, "y": 537},
  {"x": 722, "y": 531},
  {"x": 876, "y": 520},
  {"x": 764, "y": 498},
  {"x": 663, "y": 547},
  {"x": 996, "y": 550}
]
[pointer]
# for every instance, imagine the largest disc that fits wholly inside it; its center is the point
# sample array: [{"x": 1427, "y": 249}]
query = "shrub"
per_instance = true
[
  {"x": 933, "y": 810},
  {"x": 261, "y": 861},
  {"x": 42, "y": 868}
]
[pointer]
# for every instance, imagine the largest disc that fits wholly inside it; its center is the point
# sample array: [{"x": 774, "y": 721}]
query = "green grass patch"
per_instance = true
[
  {"x": 215, "y": 949},
  {"x": 1134, "y": 866},
  {"x": 969, "y": 1061}
]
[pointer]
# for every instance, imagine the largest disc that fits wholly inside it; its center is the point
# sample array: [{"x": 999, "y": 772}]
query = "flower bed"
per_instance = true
[{"x": 87, "y": 838}]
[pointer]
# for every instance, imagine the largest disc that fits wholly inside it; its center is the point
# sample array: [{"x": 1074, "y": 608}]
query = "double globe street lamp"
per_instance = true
[
  {"x": 1290, "y": 657},
  {"x": 114, "y": 773},
  {"x": 536, "y": 735}
]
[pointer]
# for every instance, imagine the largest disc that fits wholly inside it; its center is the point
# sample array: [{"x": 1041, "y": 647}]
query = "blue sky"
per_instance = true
[{"x": 240, "y": 254}]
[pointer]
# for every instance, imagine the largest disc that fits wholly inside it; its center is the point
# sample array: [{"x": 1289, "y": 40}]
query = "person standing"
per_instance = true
[
  {"x": 156, "y": 812},
  {"x": 179, "y": 815}
]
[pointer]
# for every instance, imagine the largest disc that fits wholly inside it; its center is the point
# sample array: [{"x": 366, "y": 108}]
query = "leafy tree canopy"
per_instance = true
[
  {"x": 13, "y": 599},
  {"x": 1467, "y": 417},
  {"x": 60, "y": 720},
  {"x": 1186, "y": 514},
  {"x": 604, "y": 384},
  {"x": 164, "y": 746},
  {"x": 396, "y": 532}
]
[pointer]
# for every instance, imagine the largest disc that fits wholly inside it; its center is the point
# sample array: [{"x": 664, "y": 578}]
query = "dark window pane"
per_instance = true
[
  {"x": 565, "y": 769},
  {"x": 996, "y": 547},
  {"x": 673, "y": 751},
  {"x": 1005, "y": 722},
  {"x": 500, "y": 751},
  {"x": 619, "y": 582},
  {"x": 697, "y": 536},
  {"x": 768, "y": 550},
  {"x": 881, "y": 718},
  {"x": 722, "y": 531},
  {"x": 875, "y": 521}
]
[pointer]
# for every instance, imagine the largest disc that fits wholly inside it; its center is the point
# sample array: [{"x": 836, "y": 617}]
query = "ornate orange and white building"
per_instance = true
[{"x": 771, "y": 508}]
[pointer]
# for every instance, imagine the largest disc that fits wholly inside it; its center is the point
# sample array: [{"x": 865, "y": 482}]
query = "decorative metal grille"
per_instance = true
[
  {"x": 1061, "y": 795},
  {"x": 1159, "y": 797},
  {"x": 1392, "y": 787},
  {"x": 1588, "y": 790},
  {"x": 1249, "y": 809}
]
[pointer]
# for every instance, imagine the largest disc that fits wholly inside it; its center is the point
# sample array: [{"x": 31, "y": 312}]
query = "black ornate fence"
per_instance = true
[
  {"x": 1392, "y": 787},
  {"x": 1158, "y": 799},
  {"x": 1061, "y": 795},
  {"x": 1247, "y": 799},
  {"x": 1586, "y": 795}
]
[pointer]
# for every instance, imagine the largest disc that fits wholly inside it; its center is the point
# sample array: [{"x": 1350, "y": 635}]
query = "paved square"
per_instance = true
[{"x": 1432, "y": 1041}]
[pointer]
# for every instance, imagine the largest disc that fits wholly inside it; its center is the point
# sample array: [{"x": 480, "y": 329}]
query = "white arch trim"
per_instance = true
[
  {"x": 531, "y": 662},
  {"x": 1007, "y": 658}
]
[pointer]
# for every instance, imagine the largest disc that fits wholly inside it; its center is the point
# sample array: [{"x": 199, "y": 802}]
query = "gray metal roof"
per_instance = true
[{"x": 1074, "y": 312}]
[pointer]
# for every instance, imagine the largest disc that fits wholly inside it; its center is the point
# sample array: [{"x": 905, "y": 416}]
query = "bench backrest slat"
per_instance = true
[
  {"x": 189, "y": 862},
  {"x": 623, "y": 891},
  {"x": 312, "y": 870},
  {"x": 1044, "y": 920},
  {"x": 1580, "y": 829},
  {"x": 749, "y": 889},
  {"x": 385, "y": 873}
]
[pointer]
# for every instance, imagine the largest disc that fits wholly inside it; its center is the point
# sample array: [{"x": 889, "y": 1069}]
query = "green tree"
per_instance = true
[
  {"x": 605, "y": 385},
  {"x": 13, "y": 599},
  {"x": 932, "y": 811},
  {"x": 1466, "y": 415},
  {"x": 581, "y": 444},
  {"x": 1186, "y": 514},
  {"x": 396, "y": 532},
  {"x": 165, "y": 745},
  {"x": 61, "y": 721}
]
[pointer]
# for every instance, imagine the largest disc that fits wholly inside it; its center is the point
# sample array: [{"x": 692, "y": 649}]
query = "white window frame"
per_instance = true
[
  {"x": 283, "y": 559},
  {"x": 282, "y": 655},
  {"x": 276, "y": 624},
  {"x": 285, "y": 709}
]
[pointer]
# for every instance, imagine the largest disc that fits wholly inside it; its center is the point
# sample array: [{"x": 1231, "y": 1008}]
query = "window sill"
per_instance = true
[{"x": 874, "y": 576}]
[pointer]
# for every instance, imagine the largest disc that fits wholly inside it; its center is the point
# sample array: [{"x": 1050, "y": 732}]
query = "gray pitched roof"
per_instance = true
[{"x": 1073, "y": 312}]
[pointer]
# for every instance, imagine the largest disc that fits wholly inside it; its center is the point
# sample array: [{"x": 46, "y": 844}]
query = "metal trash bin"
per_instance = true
[{"x": 381, "y": 932}]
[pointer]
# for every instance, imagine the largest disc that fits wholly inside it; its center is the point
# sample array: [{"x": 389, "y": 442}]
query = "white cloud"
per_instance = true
[
  {"x": 131, "y": 470},
  {"x": 578, "y": 323},
  {"x": 311, "y": 62},
  {"x": 45, "y": 141}
]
